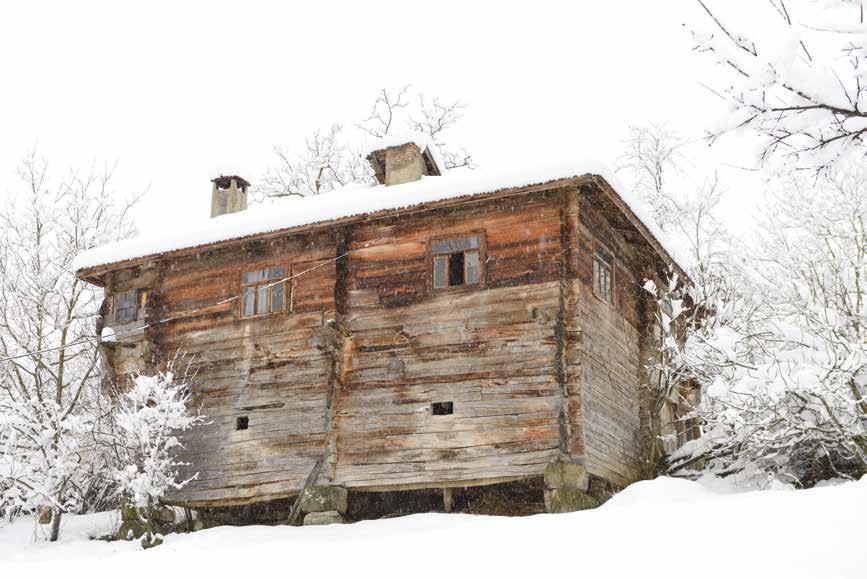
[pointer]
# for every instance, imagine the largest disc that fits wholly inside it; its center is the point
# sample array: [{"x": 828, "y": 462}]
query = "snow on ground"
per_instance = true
[
  {"x": 359, "y": 200},
  {"x": 665, "y": 528}
]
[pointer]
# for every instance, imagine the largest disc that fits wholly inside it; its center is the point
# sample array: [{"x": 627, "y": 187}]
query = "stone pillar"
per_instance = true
[
  {"x": 323, "y": 504},
  {"x": 566, "y": 487}
]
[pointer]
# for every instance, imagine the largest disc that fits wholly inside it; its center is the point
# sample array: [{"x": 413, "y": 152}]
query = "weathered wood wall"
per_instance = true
[
  {"x": 536, "y": 366},
  {"x": 490, "y": 350},
  {"x": 609, "y": 349}
]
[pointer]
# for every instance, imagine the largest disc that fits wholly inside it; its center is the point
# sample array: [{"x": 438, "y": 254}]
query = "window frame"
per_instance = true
[
  {"x": 288, "y": 290},
  {"x": 483, "y": 258},
  {"x": 612, "y": 268},
  {"x": 138, "y": 304}
]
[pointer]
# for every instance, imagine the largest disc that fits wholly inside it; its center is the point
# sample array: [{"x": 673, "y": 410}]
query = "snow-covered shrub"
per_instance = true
[
  {"x": 149, "y": 417},
  {"x": 784, "y": 367}
]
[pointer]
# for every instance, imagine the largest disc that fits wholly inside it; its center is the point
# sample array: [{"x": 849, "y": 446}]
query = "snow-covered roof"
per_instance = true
[{"x": 355, "y": 201}]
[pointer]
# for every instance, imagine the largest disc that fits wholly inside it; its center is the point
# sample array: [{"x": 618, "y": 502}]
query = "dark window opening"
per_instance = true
[
  {"x": 456, "y": 269},
  {"x": 442, "y": 408},
  {"x": 243, "y": 423}
]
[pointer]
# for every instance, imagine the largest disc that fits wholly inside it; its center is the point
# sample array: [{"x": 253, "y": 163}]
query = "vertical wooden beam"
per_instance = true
[
  {"x": 648, "y": 420},
  {"x": 567, "y": 332},
  {"x": 153, "y": 350},
  {"x": 447, "y": 499},
  {"x": 339, "y": 350}
]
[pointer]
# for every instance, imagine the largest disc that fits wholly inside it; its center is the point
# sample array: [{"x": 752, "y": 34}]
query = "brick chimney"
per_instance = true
[
  {"x": 229, "y": 195},
  {"x": 400, "y": 160}
]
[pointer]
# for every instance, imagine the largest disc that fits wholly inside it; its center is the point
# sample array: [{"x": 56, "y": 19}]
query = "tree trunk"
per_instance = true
[{"x": 55, "y": 525}]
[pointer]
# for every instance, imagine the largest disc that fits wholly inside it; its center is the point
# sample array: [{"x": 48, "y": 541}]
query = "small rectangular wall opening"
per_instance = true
[
  {"x": 243, "y": 423},
  {"x": 442, "y": 408}
]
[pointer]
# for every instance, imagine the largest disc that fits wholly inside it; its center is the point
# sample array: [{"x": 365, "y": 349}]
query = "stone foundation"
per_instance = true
[
  {"x": 566, "y": 486},
  {"x": 323, "y": 504}
]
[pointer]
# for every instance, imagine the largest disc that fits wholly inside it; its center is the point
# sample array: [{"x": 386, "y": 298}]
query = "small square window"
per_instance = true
[
  {"x": 265, "y": 291},
  {"x": 442, "y": 408},
  {"x": 456, "y": 262},
  {"x": 242, "y": 423}
]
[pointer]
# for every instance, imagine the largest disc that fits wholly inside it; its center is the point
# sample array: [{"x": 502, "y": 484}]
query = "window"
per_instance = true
[
  {"x": 264, "y": 291},
  {"x": 126, "y": 306},
  {"x": 456, "y": 262},
  {"x": 686, "y": 426},
  {"x": 243, "y": 423},
  {"x": 602, "y": 267},
  {"x": 442, "y": 408}
]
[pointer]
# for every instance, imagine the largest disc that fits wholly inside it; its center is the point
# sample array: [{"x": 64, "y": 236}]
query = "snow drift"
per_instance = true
[{"x": 664, "y": 528}]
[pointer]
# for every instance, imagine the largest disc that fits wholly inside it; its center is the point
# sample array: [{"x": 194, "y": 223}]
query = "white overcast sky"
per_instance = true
[{"x": 176, "y": 92}]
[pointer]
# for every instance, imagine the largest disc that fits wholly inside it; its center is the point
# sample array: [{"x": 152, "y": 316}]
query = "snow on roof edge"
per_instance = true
[{"x": 360, "y": 200}]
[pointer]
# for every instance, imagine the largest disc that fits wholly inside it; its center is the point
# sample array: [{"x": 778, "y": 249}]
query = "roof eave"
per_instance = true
[
  {"x": 95, "y": 275},
  {"x": 639, "y": 225}
]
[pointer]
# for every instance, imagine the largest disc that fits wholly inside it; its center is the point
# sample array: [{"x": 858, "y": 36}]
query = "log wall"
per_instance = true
[
  {"x": 610, "y": 359},
  {"x": 490, "y": 350},
  {"x": 536, "y": 367}
]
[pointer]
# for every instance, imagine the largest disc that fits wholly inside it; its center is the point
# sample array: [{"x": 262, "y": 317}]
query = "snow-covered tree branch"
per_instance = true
[
  {"x": 794, "y": 74},
  {"x": 785, "y": 397}
]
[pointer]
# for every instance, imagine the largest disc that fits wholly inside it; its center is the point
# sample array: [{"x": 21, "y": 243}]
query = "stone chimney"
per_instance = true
[
  {"x": 402, "y": 161},
  {"x": 229, "y": 195}
]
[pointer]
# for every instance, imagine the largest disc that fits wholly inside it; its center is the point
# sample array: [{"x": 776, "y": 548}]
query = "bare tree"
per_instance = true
[
  {"x": 685, "y": 207},
  {"x": 651, "y": 154},
  {"x": 385, "y": 112},
  {"x": 795, "y": 76},
  {"x": 326, "y": 162},
  {"x": 433, "y": 118},
  {"x": 49, "y": 369},
  {"x": 334, "y": 157}
]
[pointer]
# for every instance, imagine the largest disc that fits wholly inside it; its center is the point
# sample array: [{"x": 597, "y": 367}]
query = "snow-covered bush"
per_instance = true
[
  {"x": 149, "y": 417},
  {"x": 785, "y": 385}
]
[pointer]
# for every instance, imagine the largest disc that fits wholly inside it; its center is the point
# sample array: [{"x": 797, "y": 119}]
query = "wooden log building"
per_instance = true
[{"x": 432, "y": 332}]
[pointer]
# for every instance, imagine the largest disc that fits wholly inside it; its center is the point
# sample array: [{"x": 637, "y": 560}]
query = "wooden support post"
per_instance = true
[{"x": 447, "y": 499}]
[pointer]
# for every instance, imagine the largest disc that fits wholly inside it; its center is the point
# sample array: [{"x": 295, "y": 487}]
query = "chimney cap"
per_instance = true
[{"x": 225, "y": 181}]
